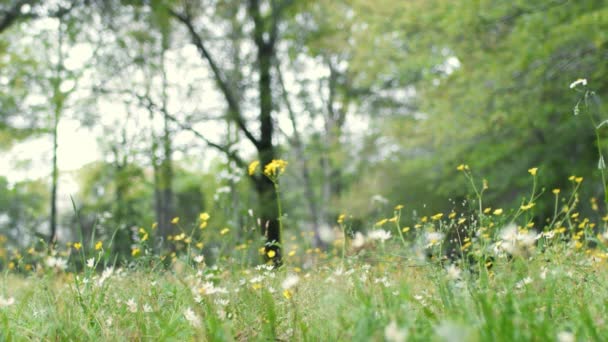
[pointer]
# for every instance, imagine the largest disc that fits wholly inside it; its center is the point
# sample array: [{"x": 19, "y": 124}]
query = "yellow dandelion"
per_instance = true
[
  {"x": 399, "y": 207},
  {"x": 578, "y": 180},
  {"x": 253, "y": 167},
  {"x": 271, "y": 254},
  {"x": 462, "y": 167},
  {"x": 393, "y": 219},
  {"x": 199, "y": 245},
  {"x": 204, "y": 216},
  {"x": 341, "y": 218},
  {"x": 287, "y": 294},
  {"x": 462, "y": 220},
  {"x": 437, "y": 217},
  {"x": 77, "y": 246},
  {"x": 487, "y": 210},
  {"x": 533, "y": 171},
  {"x": 452, "y": 215},
  {"x": 405, "y": 229},
  {"x": 135, "y": 251},
  {"x": 154, "y": 225},
  {"x": 527, "y": 206},
  {"x": 556, "y": 191},
  {"x": 175, "y": 220},
  {"x": 497, "y": 212},
  {"x": 224, "y": 231},
  {"x": 203, "y": 225},
  {"x": 292, "y": 253},
  {"x": 275, "y": 168},
  {"x": 381, "y": 222}
]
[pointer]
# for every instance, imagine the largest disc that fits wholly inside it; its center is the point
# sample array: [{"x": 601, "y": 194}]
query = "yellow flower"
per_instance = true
[
  {"x": 498, "y": 212},
  {"x": 204, "y": 216},
  {"x": 452, "y": 215},
  {"x": 175, "y": 220},
  {"x": 98, "y": 245},
  {"x": 527, "y": 206},
  {"x": 203, "y": 225},
  {"x": 533, "y": 171},
  {"x": 381, "y": 222},
  {"x": 399, "y": 207},
  {"x": 154, "y": 225},
  {"x": 292, "y": 253},
  {"x": 405, "y": 229},
  {"x": 77, "y": 246},
  {"x": 341, "y": 218},
  {"x": 462, "y": 167},
  {"x": 393, "y": 219},
  {"x": 462, "y": 220},
  {"x": 224, "y": 231},
  {"x": 287, "y": 294},
  {"x": 144, "y": 237},
  {"x": 578, "y": 179},
  {"x": 253, "y": 167},
  {"x": 487, "y": 210},
  {"x": 437, "y": 217},
  {"x": 275, "y": 168},
  {"x": 199, "y": 245},
  {"x": 556, "y": 191},
  {"x": 135, "y": 251},
  {"x": 271, "y": 254}
]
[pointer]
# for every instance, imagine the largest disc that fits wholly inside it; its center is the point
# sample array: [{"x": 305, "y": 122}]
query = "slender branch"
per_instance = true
[{"x": 233, "y": 103}]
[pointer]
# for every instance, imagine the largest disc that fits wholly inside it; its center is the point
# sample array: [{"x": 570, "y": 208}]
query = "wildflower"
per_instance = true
[
  {"x": 452, "y": 215},
  {"x": 203, "y": 225},
  {"x": 523, "y": 282},
  {"x": 192, "y": 317},
  {"x": 199, "y": 245},
  {"x": 533, "y": 171},
  {"x": 77, "y": 246},
  {"x": 224, "y": 231},
  {"x": 555, "y": 191},
  {"x": 497, "y": 212},
  {"x": 527, "y": 206},
  {"x": 379, "y": 234},
  {"x": 147, "y": 308},
  {"x": 91, "y": 263},
  {"x": 453, "y": 272},
  {"x": 381, "y": 222},
  {"x": 271, "y": 254},
  {"x": 566, "y": 336},
  {"x": 135, "y": 251},
  {"x": 6, "y": 302},
  {"x": 487, "y": 210},
  {"x": 578, "y": 180},
  {"x": 433, "y": 238},
  {"x": 175, "y": 220},
  {"x": 132, "y": 305},
  {"x": 199, "y": 258},
  {"x": 359, "y": 240},
  {"x": 275, "y": 168},
  {"x": 56, "y": 263},
  {"x": 98, "y": 245},
  {"x": 290, "y": 282},
  {"x": 462, "y": 220},
  {"x": 581, "y": 81},
  {"x": 437, "y": 217},
  {"x": 405, "y": 229},
  {"x": 399, "y": 207},
  {"x": 462, "y": 167},
  {"x": 291, "y": 253},
  {"x": 392, "y": 333},
  {"x": 287, "y": 294},
  {"x": 253, "y": 167}
]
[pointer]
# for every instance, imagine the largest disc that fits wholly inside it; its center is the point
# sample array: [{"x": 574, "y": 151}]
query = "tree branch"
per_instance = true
[{"x": 233, "y": 103}]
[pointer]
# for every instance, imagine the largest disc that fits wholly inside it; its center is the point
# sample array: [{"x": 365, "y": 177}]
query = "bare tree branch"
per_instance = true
[{"x": 233, "y": 103}]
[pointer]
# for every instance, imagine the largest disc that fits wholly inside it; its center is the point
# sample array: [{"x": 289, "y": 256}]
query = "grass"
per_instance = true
[{"x": 511, "y": 280}]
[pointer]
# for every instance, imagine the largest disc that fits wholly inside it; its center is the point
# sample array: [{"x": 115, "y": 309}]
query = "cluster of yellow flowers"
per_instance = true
[{"x": 272, "y": 170}]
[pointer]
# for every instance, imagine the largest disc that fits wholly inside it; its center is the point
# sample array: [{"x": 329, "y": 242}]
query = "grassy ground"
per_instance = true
[{"x": 555, "y": 295}]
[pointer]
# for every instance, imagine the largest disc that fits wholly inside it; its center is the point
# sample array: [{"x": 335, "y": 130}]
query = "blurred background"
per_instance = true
[{"x": 117, "y": 115}]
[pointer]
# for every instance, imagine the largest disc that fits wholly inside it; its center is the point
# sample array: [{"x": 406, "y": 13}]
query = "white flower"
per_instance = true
[
  {"x": 192, "y": 317},
  {"x": 566, "y": 336},
  {"x": 56, "y": 263},
  {"x": 453, "y": 272},
  {"x": 581, "y": 81},
  {"x": 199, "y": 258},
  {"x": 523, "y": 282},
  {"x": 132, "y": 304},
  {"x": 90, "y": 262},
  {"x": 107, "y": 273},
  {"x": 147, "y": 308},
  {"x": 359, "y": 240},
  {"x": 5, "y": 302},
  {"x": 433, "y": 238},
  {"x": 109, "y": 321},
  {"x": 289, "y": 282},
  {"x": 393, "y": 333},
  {"x": 379, "y": 234}
]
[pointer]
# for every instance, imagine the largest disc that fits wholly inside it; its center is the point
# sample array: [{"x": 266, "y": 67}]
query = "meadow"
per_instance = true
[{"x": 485, "y": 274}]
